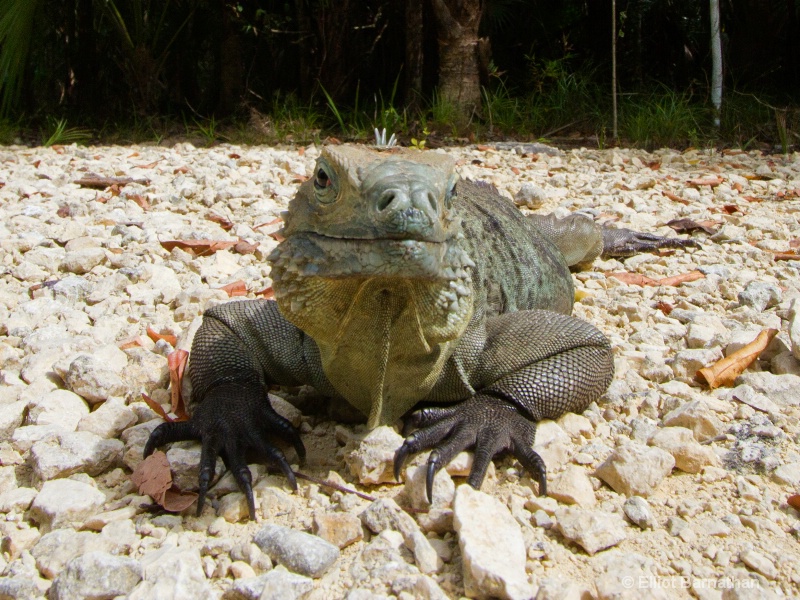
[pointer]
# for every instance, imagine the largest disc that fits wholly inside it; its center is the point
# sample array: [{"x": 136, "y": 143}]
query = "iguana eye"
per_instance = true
[{"x": 325, "y": 188}]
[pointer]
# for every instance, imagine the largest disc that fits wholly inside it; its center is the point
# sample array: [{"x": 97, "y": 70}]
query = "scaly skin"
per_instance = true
[{"x": 399, "y": 284}]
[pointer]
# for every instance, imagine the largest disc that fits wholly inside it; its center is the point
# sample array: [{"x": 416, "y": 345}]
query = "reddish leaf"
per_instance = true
[
  {"x": 198, "y": 247},
  {"x": 132, "y": 342},
  {"x": 682, "y": 278},
  {"x": 795, "y": 243},
  {"x": 785, "y": 256},
  {"x": 140, "y": 200},
  {"x": 237, "y": 288},
  {"x": 152, "y": 476},
  {"x": 483, "y": 148},
  {"x": 274, "y": 221},
  {"x": 301, "y": 150},
  {"x": 133, "y": 155},
  {"x": 233, "y": 155},
  {"x": 674, "y": 197},
  {"x": 632, "y": 278},
  {"x": 794, "y": 501},
  {"x": 752, "y": 198},
  {"x": 167, "y": 337},
  {"x": 732, "y": 208},
  {"x": 705, "y": 181},
  {"x": 276, "y": 236},
  {"x": 36, "y": 164},
  {"x": 148, "y": 165},
  {"x": 738, "y": 187},
  {"x": 664, "y": 307},
  {"x": 175, "y": 500},
  {"x": 725, "y": 371},
  {"x": 176, "y": 361},
  {"x": 183, "y": 170},
  {"x": 334, "y": 141},
  {"x": 243, "y": 247},
  {"x": 654, "y": 165},
  {"x": 220, "y": 220},
  {"x": 64, "y": 211},
  {"x": 688, "y": 225},
  {"x": 114, "y": 189},
  {"x": 156, "y": 408}
]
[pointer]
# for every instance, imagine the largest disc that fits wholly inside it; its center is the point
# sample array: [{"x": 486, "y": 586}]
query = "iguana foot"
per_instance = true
[
  {"x": 231, "y": 421},
  {"x": 619, "y": 243},
  {"x": 486, "y": 423}
]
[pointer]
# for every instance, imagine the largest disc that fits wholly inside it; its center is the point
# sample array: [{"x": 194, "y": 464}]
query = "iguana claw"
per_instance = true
[
  {"x": 486, "y": 423},
  {"x": 230, "y": 428},
  {"x": 619, "y": 243}
]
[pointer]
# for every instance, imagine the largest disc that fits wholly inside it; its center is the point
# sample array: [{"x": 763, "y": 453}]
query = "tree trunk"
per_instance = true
[
  {"x": 716, "y": 61},
  {"x": 413, "y": 53},
  {"x": 457, "y": 24}
]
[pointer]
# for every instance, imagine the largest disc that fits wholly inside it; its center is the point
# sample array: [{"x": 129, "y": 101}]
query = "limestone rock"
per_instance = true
[
  {"x": 65, "y": 503},
  {"x": 96, "y": 575},
  {"x": 593, "y": 530},
  {"x": 760, "y": 295},
  {"x": 572, "y": 486},
  {"x": 492, "y": 547},
  {"x": 638, "y": 511},
  {"x": 384, "y": 513},
  {"x": 415, "y": 487},
  {"x": 109, "y": 420},
  {"x": 636, "y": 470},
  {"x": 689, "y": 455},
  {"x": 373, "y": 460},
  {"x": 59, "y": 407},
  {"x": 340, "y": 529},
  {"x": 73, "y": 452},
  {"x": 759, "y": 563},
  {"x": 92, "y": 380},
  {"x": 172, "y": 572},
  {"x": 697, "y": 416},
  {"x": 301, "y": 552}
]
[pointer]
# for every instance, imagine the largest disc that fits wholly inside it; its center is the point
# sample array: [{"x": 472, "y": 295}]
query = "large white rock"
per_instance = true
[
  {"x": 59, "y": 407},
  {"x": 372, "y": 461},
  {"x": 593, "y": 530},
  {"x": 96, "y": 575},
  {"x": 635, "y": 469},
  {"x": 689, "y": 455},
  {"x": 73, "y": 452},
  {"x": 572, "y": 486},
  {"x": 492, "y": 547},
  {"x": 172, "y": 572},
  {"x": 65, "y": 503}
]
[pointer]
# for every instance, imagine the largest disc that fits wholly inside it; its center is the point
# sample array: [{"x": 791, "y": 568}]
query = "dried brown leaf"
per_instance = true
[
  {"x": 794, "y": 501},
  {"x": 152, "y": 476},
  {"x": 632, "y": 278},
  {"x": 679, "y": 279},
  {"x": 175, "y": 500},
  {"x": 664, "y": 307},
  {"x": 140, "y": 200},
  {"x": 131, "y": 342},
  {"x": 156, "y": 408},
  {"x": 176, "y": 362},
  {"x": 267, "y": 293},
  {"x": 725, "y": 371},
  {"x": 243, "y": 247},
  {"x": 237, "y": 288},
  {"x": 64, "y": 211},
  {"x": 167, "y": 337},
  {"x": 674, "y": 197},
  {"x": 198, "y": 247},
  {"x": 220, "y": 220},
  {"x": 705, "y": 181},
  {"x": 785, "y": 256},
  {"x": 688, "y": 225},
  {"x": 183, "y": 170}
]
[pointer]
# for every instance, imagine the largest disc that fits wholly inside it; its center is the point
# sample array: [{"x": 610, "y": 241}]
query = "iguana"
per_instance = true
[{"x": 398, "y": 283}]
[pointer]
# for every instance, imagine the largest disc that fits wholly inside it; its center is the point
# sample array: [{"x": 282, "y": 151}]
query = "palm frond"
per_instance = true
[{"x": 17, "y": 18}]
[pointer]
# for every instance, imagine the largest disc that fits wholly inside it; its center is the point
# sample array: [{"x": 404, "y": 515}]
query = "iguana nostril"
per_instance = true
[{"x": 389, "y": 199}]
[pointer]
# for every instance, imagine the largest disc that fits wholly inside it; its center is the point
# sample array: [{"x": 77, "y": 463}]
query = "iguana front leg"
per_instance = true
[
  {"x": 534, "y": 365},
  {"x": 239, "y": 350},
  {"x": 581, "y": 240}
]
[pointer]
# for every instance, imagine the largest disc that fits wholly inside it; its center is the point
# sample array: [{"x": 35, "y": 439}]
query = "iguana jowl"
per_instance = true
[{"x": 398, "y": 283}]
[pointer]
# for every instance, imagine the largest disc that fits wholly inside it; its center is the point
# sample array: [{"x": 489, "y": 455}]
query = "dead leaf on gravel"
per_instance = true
[
  {"x": 220, "y": 220},
  {"x": 167, "y": 337},
  {"x": 674, "y": 197},
  {"x": 176, "y": 361},
  {"x": 725, "y": 371},
  {"x": 237, "y": 288},
  {"x": 752, "y": 198},
  {"x": 64, "y": 211},
  {"x": 689, "y": 225},
  {"x": 156, "y": 408},
  {"x": 176, "y": 500},
  {"x": 705, "y": 181},
  {"x": 794, "y": 243},
  {"x": 643, "y": 280},
  {"x": 243, "y": 247},
  {"x": 140, "y": 201},
  {"x": 274, "y": 221},
  {"x": 198, "y": 247},
  {"x": 152, "y": 476},
  {"x": 665, "y": 307},
  {"x": 794, "y": 501},
  {"x": 183, "y": 170},
  {"x": 132, "y": 342},
  {"x": 785, "y": 256}
]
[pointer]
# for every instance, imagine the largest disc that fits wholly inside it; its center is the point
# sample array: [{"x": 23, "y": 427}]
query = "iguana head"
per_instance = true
[{"x": 374, "y": 269}]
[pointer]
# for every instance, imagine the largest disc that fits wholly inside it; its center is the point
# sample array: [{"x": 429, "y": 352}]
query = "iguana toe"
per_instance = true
[
  {"x": 232, "y": 422},
  {"x": 485, "y": 423},
  {"x": 626, "y": 242}
]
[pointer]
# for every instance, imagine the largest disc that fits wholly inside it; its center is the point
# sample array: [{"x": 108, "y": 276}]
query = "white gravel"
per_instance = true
[{"x": 84, "y": 275}]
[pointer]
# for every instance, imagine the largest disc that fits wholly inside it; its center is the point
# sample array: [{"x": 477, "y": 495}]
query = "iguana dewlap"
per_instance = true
[{"x": 398, "y": 283}]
